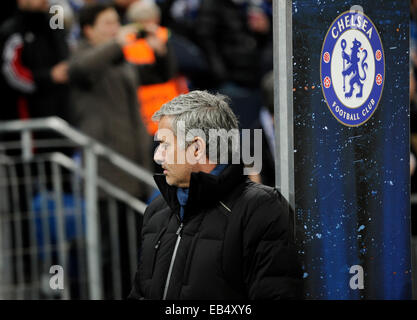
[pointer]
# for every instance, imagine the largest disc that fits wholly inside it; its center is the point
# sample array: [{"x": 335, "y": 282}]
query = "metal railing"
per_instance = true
[{"x": 56, "y": 210}]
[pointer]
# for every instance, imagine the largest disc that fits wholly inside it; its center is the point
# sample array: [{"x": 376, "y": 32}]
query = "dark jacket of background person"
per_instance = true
[
  {"x": 179, "y": 16},
  {"x": 29, "y": 48},
  {"x": 233, "y": 51},
  {"x": 105, "y": 103},
  {"x": 236, "y": 242}
]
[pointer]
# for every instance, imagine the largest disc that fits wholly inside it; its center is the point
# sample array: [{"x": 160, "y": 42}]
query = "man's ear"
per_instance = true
[{"x": 199, "y": 146}]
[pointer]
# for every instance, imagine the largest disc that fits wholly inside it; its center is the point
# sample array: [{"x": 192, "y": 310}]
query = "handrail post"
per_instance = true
[
  {"x": 283, "y": 102},
  {"x": 92, "y": 220},
  {"x": 26, "y": 145}
]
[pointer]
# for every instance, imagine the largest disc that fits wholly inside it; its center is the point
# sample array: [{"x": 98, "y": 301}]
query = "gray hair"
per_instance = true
[
  {"x": 204, "y": 112},
  {"x": 143, "y": 10}
]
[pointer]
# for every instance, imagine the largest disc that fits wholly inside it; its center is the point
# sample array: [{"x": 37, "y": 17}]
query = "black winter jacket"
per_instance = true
[{"x": 235, "y": 242}]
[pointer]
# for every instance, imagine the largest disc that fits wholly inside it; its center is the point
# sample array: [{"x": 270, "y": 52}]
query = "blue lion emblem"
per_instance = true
[
  {"x": 343, "y": 59},
  {"x": 353, "y": 61}
]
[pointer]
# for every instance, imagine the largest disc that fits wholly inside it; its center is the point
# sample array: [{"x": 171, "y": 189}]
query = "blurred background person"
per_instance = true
[
  {"x": 234, "y": 35},
  {"x": 104, "y": 93},
  {"x": 33, "y": 84},
  {"x": 34, "y": 72},
  {"x": 154, "y": 59},
  {"x": 180, "y": 16},
  {"x": 33, "y": 59},
  {"x": 105, "y": 101}
]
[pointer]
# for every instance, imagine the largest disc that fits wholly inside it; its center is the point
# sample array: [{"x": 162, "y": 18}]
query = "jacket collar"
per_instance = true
[{"x": 205, "y": 189}]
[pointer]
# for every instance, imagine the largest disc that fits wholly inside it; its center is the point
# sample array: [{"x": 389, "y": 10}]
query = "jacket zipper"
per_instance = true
[{"x": 171, "y": 265}]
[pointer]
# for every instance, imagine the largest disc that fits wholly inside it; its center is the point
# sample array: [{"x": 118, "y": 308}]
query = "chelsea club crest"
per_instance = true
[{"x": 352, "y": 68}]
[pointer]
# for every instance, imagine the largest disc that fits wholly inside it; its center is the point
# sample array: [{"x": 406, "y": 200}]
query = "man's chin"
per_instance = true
[
  {"x": 169, "y": 181},
  {"x": 173, "y": 183}
]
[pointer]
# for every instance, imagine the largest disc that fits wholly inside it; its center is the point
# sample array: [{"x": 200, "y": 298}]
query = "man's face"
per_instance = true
[
  {"x": 105, "y": 27},
  {"x": 169, "y": 154}
]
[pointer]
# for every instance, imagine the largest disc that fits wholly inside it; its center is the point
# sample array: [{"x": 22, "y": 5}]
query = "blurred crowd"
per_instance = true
[{"x": 115, "y": 62}]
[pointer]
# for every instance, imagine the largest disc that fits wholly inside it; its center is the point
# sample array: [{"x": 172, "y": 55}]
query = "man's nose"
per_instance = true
[{"x": 158, "y": 156}]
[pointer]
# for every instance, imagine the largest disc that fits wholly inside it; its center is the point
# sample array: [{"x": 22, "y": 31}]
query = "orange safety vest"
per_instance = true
[
  {"x": 138, "y": 51},
  {"x": 152, "y": 96}
]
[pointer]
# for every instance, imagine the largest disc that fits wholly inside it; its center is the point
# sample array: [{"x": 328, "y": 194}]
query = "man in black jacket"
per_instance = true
[{"x": 212, "y": 234}]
